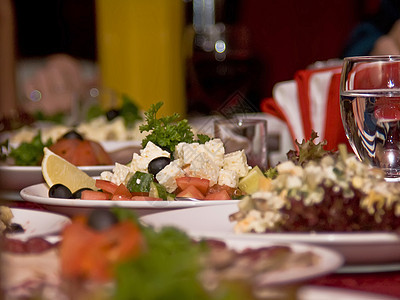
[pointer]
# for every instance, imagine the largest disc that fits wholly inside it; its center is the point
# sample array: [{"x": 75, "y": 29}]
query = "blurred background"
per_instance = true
[{"x": 207, "y": 51}]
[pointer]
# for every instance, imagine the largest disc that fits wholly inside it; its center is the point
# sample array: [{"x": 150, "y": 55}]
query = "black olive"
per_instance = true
[
  {"x": 101, "y": 219},
  {"x": 72, "y": 134},
  {"x": 112, "y": 114},
  {"x": 15, "y": 228},
  {"x": 60, "y": 191},
  {"x": 78, "y": 194},
  {"x": 157, "y": 164}
]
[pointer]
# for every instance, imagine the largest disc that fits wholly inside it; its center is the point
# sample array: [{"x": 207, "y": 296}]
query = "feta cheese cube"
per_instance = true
[
  {"x": 215, "y": 150},
  {"x": 236, "y": 161},
  {"x": 167, "y": 176},
  {"x": 228, "y": 177},
  {"x": 120, "y": 174},
  {"x": 203, "y": 167},
  {"x": 106, "y": 175},
  {"x": 150, "y": 152},
  {"x": 134, "y": 162},
  {"x": 186, "y": 152}
]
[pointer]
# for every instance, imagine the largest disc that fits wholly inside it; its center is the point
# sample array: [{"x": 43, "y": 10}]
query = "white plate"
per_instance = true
[
  {"x": 39, "y": 194},
  {"x": 111, "y": 146},
  {"x": 357, "y": 248},
  {"x": 328, "y": 262},
  {"x": 324, "y": 293},
  {"x": 15, "y": 178},
  {"x": 37, "y": 223}
]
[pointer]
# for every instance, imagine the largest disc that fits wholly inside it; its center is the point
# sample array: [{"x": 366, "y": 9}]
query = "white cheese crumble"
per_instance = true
[
  {"x": 167, "y": 176},
  {"x": 120, "y": 174},
  {"x": 236, "y": 161},
  {"x": 150, "y": 152},
  {"x": 228, "y": 177},
  {"x": 203, "y": 167}
]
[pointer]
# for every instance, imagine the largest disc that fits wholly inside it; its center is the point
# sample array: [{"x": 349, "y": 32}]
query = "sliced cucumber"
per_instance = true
[
  {"x": 140, "y": 182},
  {"x": 158, "y": 191},
  {"x": 171, "y": 197}
]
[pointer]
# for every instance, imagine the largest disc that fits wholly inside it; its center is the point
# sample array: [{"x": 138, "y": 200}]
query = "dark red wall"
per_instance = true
[{"x": 288, "y": 35}]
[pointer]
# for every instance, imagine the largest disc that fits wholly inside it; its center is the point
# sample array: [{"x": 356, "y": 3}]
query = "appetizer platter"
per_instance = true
[
  {"x": 94, "y": 144},
  {"x": 174, "y": 169},
  {"x": 200, "y": 268}
]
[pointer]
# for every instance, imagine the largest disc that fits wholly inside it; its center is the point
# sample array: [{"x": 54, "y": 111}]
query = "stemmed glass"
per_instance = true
[{"x": 370, "y": 110}]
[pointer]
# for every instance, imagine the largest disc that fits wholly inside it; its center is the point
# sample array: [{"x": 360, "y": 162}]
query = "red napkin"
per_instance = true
[{"x": 317, "y": 102}]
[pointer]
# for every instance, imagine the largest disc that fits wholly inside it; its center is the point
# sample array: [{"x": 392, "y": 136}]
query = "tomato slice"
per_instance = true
[
  {"x": 221, "y": 195},
  {"x": 75, "y": 243},
  {"x": 120, "y": 197},
  {"x": 102, "y": 157},
  {"x": 145, "y": 198},
  {"x": 201, "y": 184},
  {"x": 146, "y": 194},
  {"x": 86, "y": 253},
  {"x": 191, "y": 192},
  {"x": 66, "y": 148},
  {"x": 106, "y": 186},
  {"x": 85, "y": 155},
  {"x": 95, "y": 195},
  {"x": 123, "y": 191}
]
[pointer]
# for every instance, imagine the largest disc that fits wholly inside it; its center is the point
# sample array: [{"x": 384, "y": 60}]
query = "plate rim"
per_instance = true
[
  {"x": 329, "y": 261},
  {"x": 78, "y": 203},
  {"x": 39, "y": 168},
  {"x": 24, "y": 235}
]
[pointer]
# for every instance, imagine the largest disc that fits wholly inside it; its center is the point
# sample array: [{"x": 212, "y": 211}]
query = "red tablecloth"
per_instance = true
[{"x": 387, "y": 283}]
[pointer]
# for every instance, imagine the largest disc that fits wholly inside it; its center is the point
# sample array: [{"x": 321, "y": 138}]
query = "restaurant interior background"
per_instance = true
[{"x": 271, "y": 41}]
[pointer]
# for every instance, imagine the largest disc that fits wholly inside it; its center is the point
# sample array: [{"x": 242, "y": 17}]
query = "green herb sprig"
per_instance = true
[
  {"x": 308, "y": 150},
  {"x": 167, "y": 132},
  {"x": 30, "y": 153},
  {"x": 171, "y": 262}
]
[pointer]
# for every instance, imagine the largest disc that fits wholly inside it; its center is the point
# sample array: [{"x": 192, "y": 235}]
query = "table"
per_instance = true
[{"x": 385, "y": 283}]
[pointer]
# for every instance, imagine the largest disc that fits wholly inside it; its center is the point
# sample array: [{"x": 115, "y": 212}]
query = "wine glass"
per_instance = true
[{"x": 370, "y": 110}]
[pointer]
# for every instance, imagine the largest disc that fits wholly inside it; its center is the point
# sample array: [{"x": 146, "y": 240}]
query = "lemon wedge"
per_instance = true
[{"x": 56, "y": 169}]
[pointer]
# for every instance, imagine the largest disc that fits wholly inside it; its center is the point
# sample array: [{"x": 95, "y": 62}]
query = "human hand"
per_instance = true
[{"x": 54, "y": 87}]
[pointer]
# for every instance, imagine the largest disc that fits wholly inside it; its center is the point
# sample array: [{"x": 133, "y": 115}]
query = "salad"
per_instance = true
[
  {"x": 72, "y": 146},
  {"x": 173, "y": 163},
  {"x": 97, "y": 123},
  {"x": 317, "y": 190}
]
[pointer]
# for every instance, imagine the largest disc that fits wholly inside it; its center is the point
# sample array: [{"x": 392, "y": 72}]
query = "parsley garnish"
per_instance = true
[
  {"x": 167, "y": 132},
  {"x": 30, "y": 154}
]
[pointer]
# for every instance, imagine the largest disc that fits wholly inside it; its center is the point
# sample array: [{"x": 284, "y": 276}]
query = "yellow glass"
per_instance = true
[{"x": 140, "y": 51}]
